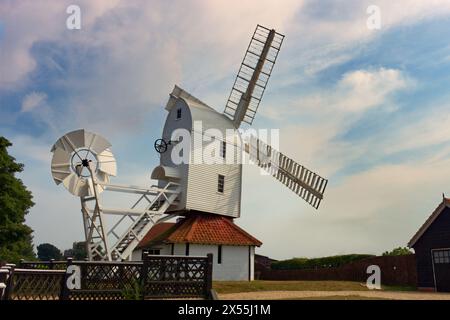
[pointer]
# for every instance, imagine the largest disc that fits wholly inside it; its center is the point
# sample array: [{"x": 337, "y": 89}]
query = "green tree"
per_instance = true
[
  {"x": 16, "y": 240},
  {"x": 47, "y": 251},
  {"x": 78, "y": 251},
  {"x": 400, "y": 251}
]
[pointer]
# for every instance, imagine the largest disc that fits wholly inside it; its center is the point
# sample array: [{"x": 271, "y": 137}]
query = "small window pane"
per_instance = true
[
  {"x": 223, "y": 149},
  {"x": 219, "y": 254},
  {"x": 178, "y": 113},
  {"x": 441, "y": 256},
  {"x": 220, "y": 183}
]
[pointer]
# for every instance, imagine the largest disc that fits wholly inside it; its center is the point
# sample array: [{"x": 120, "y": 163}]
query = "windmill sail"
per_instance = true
[
  {"x": 305, "y": 183},
  {"x": 253, "y": 75}
]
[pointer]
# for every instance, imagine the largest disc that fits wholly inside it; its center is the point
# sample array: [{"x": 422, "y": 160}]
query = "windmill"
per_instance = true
[{"x": 83, "y": 161}]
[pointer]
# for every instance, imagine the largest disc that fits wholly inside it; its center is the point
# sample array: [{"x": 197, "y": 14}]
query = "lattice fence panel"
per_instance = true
[
  {"x": 169, "y": 276},
  {"x": 96, "y": 295},
  {"x": 35, "y": 285},
  {"x": 118, "y": 276},
  {"x": 156, "y": 277}
]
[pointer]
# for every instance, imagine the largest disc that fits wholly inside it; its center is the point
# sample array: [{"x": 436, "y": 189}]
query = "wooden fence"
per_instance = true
[
  {"x": 28, "y": 284},
  {"x": 395, "y": 270},
  {"x": 155, "y": 277}
]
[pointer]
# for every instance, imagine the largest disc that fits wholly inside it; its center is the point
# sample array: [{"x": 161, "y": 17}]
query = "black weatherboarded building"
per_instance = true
[{"x": 432, "y": 246}]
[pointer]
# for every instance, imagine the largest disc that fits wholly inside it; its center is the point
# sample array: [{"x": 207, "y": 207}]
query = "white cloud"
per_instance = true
[
  {"x": 33, "y": 100},
  {"x": 145, "y": 49},
  {"x": 355, "y": 92},
  {"x": 331, "y": 111},
  {"x": 27, "y": 148},
  {"x": 149, "y": 47},
  {"x": 28, "y": 22},
  {"x": 329, "y": 34},
  {"x": 362, "y": 89},
  {"x": 432, "y": 129}
]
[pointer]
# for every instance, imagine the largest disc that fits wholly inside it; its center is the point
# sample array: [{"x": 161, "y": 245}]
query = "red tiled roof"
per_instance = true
[
  {"x": 155, "y": 231},
  {"x": 206, "y": 229}
]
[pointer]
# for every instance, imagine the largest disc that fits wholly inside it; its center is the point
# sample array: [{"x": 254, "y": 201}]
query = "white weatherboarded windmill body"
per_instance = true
[{"x": 199, "y": 176}]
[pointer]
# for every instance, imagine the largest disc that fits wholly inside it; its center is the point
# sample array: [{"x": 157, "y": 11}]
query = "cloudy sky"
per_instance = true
[{"x": 368, "y": 109}]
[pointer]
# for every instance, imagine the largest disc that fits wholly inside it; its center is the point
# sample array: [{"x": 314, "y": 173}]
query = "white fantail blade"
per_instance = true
[
  {"x": 82, "y": 139},
  {"x": 305, "y": 183},
  {"x": 70, "y": 141},
  {"x": 101, "y": 178},
  {"x": 107, "y": 163},
  {"x": 253, "y": 75},
  {"x": 78, "y": 154},
  {"x": 95, "y": 142},
  {"x": 77, "y": 185},
  {"x": 60, "y": 165}
]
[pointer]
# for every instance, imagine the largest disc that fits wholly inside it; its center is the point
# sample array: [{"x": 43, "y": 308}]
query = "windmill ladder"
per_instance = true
[{"x": 140, "y": 227}]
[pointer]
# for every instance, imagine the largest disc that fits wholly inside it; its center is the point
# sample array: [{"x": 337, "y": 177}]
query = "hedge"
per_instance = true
[{"x": 315, "y": 263}]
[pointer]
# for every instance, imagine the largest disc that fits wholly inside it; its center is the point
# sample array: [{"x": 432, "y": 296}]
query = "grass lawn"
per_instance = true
[{"x": 261, "y": 285}]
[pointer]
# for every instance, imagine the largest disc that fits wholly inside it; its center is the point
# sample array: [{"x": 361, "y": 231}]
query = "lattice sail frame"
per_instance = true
[
  {"x": 253, "y": 75},
  {"x": 304, "y": 182}
]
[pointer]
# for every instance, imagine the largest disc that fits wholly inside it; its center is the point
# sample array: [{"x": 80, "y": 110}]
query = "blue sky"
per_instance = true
[{"x": 368, "y": 109}]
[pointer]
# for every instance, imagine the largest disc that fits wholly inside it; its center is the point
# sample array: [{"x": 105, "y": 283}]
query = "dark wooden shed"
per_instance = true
[{"x": 431, "y": 244}]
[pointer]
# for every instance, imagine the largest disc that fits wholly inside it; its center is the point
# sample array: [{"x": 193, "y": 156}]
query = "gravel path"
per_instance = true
[{"x": 395, "y": 295}]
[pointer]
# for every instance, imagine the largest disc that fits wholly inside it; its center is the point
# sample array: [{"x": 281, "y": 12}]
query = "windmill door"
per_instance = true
[{"x": 441, "y": 267}]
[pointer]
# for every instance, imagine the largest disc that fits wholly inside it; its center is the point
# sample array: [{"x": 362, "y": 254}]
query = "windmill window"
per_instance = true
[
  {"x": 179, "y": 113},
  {"x": 220, "y": 183},
  {"x": 219, "y": 254},
  {"x": 154, "y": 251},
  {"x": 223, "y": 149},
  {"x": 187, "y": 249}
]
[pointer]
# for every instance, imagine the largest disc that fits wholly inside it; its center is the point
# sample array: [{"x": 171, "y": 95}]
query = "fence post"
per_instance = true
[
  {"x": 209, "y": 273},
  {"x": 69, "y": 261},
  {"x": 120, "y": 274},
  {"x": 65, "y": 292},
  {"x": 143, "y": 277},
  {"x": 21, "y": 263},
  {"x": 51, "y": 265},
  {"x": 4, "y": 273},
  {"x": 10, "y": 268}
]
